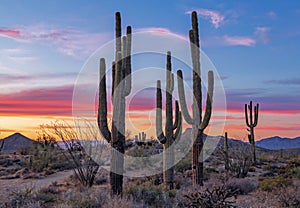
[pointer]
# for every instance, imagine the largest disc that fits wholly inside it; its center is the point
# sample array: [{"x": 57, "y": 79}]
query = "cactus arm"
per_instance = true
[
  {"x": 113, "y": 69},
  {"x": 195, "y": 28},
  {"x": 251, "y": 116},
  {"x": 209, "y": 101},
  {"x": 124, "y": 55},
  {"x": 246, "y": 116},
  {"x": 182, "y": 100},
  {"x": 118, "y": 32},
  {"x": 128, "y": 62},
  {"x": 178, "y": 131},
  {"x": 256, "y": 115},
  {"x": 102, "y": 108},
  {"x": 159, "y": 132},
  {"x": 175, "y": 125}
]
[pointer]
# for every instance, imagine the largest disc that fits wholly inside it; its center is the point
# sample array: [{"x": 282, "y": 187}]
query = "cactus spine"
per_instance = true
[
  {"x": 226, "y": 152},
  {"x": 121, "y": 87},
  {"x": 198, "y": 124},
  {"x": 251, "y": 123},
  {"x": 170, "y": 136}
]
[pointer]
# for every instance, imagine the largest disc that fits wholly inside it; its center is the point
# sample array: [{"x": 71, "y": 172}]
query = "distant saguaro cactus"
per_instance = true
[
  {"x": 198, "y": 123},
  {"x": 121, "y": 87},
  {"x": 226, "y": 152},
  {"x": 170, "y": 136},
  {"x": 142, "y": 137},
  {"x": 2, "y": 145},
  {"x": 251, "y": 123}
]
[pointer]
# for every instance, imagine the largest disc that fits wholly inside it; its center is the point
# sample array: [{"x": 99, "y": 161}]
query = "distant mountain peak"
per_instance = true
[
  {"x": 277, "y": 142},
  {"x": 15, "y": 142}
]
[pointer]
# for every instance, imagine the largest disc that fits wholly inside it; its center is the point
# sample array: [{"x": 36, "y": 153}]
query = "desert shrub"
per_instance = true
[
  {"x": 269, "y": 184},
  {"x": 217, "y": 197},
  {"x": 84, "y": 198},
  {"x": 241, "y": 185},
  {"x": 150, "y": 195},
  {"x": 289, "y": 197},
  {"x": 28, "y": 198}
]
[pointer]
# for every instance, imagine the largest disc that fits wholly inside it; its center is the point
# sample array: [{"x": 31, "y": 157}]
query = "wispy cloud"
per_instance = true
[
  {"x": 269, "y": 103},
  {"x": 11, "y": 33},
  {"x": 291, "y": 81},
  {"x": 262, "y": 34},
  {"x": 160, "y": 31},
  {"x": 17, "y": 55},
  {"x": 238, "y": 41},
  {"x": 70, "y": 42},
  {"x": 215, "y": 17}
]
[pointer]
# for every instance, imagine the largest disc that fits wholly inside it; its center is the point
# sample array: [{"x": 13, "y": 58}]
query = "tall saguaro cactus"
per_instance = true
[
  {"x": 170, "y": 136},
  {"x": 198, "y": 123},
  {"x": 251, "y": 123},
  {"x": 121, "y": 87}
]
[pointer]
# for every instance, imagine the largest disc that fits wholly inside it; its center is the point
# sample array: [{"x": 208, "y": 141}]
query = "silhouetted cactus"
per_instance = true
[
  {"x": 141, "y": 137},
  {"x": 170, "y": 136},
  {"x": 226, "y": 152},
  {"x": 2, "y": 145},
  {"x": 251, "y": 123},
  {"x": 198, "y": 123},
  {"x": 121, "y": 87}
]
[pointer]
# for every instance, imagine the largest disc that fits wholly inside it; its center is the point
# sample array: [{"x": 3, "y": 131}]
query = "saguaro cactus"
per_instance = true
[
  {"x": 2, "y": 145},
  {"x": 226, "y": 151},
  {"x": 170, "y": 136},
  {"x": 198, "y": 123},
  {"x": 121, "y": 87},
  {"x": 251, "y": 123}
]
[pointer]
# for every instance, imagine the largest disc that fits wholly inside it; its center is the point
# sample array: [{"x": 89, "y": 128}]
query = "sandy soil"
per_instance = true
[{"x": 7, "y": 186}]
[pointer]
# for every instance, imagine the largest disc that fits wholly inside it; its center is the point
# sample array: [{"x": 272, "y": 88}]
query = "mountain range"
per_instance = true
[
  {"x": 16, "y": 141},
  {"x": 276, "y": 143}
]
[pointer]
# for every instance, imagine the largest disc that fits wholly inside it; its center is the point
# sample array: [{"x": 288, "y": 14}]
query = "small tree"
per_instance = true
[{"x": 85, "y": 168}]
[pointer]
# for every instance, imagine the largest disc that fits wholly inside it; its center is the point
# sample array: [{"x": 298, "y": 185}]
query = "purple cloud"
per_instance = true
[{"x": 292, "y": 81}]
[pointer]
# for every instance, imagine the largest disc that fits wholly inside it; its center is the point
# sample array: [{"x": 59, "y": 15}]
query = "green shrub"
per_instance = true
[{"x": 269, "y": 184}]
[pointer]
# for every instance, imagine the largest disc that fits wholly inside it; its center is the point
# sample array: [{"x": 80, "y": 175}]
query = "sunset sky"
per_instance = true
[{"x": 254, "y": 46}]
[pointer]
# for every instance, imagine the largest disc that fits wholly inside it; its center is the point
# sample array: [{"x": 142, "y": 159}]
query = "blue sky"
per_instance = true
[{"x": 253, "y": 44}]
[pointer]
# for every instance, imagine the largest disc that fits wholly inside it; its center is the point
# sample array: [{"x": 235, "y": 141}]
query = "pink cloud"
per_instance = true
[
  {"x": 160, "y": 31},
  {"x": 215, "y": 17},
  {"x": 11, "y": 33},
  {"x": 38, "y": 102},
  {"x": 238, "y": 41}
]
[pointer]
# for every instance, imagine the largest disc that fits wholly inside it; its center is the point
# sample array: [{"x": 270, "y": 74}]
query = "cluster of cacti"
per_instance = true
[
  {"x": 141, "y": 137},
  {"x": 251, "y": 123},
  {"x": 121, "y": 87},
  {"x": 198, "y": 123},
  {"x": 169, "y": 136},
  {"x": 239, "y": 162}
]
